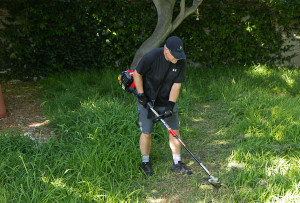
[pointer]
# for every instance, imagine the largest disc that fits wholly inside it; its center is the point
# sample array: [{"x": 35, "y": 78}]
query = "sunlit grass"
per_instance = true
[
  {"x": 264, "y": 103},
  {"x": 249, "y": 122}
]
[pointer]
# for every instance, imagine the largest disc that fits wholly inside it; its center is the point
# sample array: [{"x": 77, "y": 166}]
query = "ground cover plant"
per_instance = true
[{"x": 242, "y": 122}]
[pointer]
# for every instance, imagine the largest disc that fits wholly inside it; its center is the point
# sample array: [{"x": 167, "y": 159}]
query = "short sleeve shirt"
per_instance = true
[{"x": 159, "y": 75}]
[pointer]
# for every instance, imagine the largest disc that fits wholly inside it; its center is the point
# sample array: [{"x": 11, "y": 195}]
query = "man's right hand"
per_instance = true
[{"x": 143, "y": 99}]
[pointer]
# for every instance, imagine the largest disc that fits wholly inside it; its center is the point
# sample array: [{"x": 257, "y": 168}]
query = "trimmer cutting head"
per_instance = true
[{"x": 215, "y": 181}]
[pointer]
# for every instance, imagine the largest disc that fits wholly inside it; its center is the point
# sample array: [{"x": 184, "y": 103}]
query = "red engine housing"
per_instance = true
[{"x": 131, "y": 73}]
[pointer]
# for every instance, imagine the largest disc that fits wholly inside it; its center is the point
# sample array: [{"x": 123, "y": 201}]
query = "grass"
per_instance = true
[{"x": 243, "y": 123}]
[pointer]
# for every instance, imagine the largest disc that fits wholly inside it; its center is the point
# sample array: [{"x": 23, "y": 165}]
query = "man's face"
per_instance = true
[{"x": 169, "y": 56}]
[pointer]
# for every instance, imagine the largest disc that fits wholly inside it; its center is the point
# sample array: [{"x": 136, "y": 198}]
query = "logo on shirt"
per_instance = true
[{"x": 174, "y": 70}]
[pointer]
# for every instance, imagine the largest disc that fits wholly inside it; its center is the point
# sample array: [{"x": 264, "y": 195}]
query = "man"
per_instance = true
[{"x": 158, "y": 79}]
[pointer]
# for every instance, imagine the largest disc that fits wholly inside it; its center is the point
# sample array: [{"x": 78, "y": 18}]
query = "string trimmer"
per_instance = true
[{"x": 126, "y": 81}]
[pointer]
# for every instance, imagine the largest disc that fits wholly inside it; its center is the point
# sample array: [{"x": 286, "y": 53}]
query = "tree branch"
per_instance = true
[
  {"x": 185, "y": 12},
  {"x": 182, "y": 7},
  {"x": 192, "y": 9},
  {"x": 164, "y": 25}
]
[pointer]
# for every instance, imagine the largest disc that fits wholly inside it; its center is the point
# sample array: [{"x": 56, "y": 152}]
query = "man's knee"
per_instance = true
[{"x": 146, "y": 135}]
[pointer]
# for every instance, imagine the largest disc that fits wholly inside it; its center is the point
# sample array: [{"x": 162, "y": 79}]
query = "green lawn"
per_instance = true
[{"x": 243, "y": 123}]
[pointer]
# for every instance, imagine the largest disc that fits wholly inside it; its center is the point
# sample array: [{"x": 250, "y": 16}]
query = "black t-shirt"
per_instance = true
[{"x": 159, "y": 75}]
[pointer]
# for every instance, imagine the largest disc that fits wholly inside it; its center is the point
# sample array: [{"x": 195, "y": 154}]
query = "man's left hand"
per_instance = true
[{"x": 169, "y": 109}]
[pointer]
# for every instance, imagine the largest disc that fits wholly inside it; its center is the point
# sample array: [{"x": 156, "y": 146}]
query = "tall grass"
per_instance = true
[
  {"x": 265, "y": 127},
  {"x": 95, "y": 154},
  {"x": 97, "y": 121}
]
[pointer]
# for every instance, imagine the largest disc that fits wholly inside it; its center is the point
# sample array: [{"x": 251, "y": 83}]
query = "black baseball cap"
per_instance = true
[{"x": 175, "y": 45}]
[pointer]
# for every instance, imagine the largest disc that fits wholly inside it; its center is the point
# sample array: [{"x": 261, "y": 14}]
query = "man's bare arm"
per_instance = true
[
  {"x": 138, "y": 81},
  {"x": 174, "y": 93}
]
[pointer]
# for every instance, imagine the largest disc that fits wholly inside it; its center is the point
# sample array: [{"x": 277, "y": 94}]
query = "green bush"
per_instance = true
[
  {"x": 54, "y": 36},
  {"x": 235, "y": 32}
]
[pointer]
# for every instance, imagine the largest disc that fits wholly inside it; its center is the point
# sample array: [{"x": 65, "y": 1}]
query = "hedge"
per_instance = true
[{"x": 55, "y": 36}]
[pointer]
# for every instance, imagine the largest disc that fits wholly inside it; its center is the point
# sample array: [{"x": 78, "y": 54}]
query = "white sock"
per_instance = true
[
  {"x": 176, "y": 158},
  {"x": 145, "y": 158}
]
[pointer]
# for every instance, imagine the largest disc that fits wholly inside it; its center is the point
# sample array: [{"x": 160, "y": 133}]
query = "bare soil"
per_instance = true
[{"x": 23, "y": 102}]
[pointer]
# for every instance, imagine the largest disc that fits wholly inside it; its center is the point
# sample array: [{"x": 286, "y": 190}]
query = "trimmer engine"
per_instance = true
[{"x": 126, "y": 80}]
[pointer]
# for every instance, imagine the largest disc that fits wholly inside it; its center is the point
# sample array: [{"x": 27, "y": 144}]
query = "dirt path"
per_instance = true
[{"x": 23, "y": 101}]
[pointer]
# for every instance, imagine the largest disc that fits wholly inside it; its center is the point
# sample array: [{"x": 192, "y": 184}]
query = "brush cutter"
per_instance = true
[{"x": 126, "y": 81}]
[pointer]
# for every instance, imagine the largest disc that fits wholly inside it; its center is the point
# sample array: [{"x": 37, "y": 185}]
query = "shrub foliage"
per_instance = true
[{"x": 52, "y": 36}]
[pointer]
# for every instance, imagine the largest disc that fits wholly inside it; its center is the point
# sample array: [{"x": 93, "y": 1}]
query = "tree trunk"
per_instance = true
[
  {"x": 163, "y": 28},
  {"x": 164, "y": 25}
]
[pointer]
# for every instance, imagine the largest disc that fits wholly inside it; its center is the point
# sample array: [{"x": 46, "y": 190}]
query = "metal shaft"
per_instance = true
[{"x": 176, "y": 136}]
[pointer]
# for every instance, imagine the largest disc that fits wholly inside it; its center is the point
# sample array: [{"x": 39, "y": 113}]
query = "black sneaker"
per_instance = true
[
  {"x": 181, "y": 168},
  {"x": 146, "y": 168}
]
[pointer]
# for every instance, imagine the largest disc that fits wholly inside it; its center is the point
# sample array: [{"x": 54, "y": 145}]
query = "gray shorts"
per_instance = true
[{"x": 146, "y": 124}]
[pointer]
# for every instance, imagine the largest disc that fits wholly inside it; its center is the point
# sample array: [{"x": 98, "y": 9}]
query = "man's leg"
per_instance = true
[
  {"x": 145, "y": 146},
  {"x": 146, "y": 126},
  {"x": 175, "y": 146},
  {"x": 174, "y": 143}
]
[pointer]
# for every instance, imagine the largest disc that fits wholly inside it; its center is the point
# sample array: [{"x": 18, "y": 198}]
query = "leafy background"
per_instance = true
[{"x": 56, "y": 36}]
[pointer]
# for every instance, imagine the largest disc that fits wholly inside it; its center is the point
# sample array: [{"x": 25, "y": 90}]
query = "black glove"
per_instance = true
[
  {"x": 169, "y": 109},
  {"x": 143, "y": 99},
  {"x": 167, "y": 112}
]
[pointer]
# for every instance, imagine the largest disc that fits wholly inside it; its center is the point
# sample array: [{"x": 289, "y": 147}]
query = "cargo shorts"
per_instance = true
[{"x": 146, "y": 121}]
